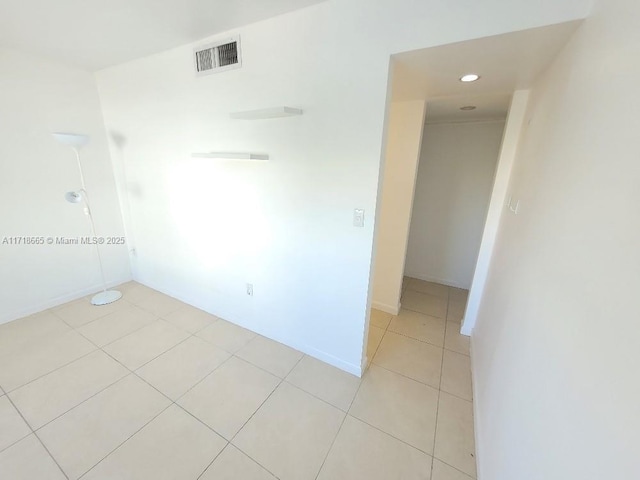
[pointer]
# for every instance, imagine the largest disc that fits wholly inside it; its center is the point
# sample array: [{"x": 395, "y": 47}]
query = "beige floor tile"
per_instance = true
[
  {"x": 454, "y": 437},
  {"x": 423, "y": 286},
  {"x": 459, "y": 294},
  {"x": 411, "y": 358},
  {"x": 155, "y": 302},
  {"x": 229, "y": 395},
  {"x": 41, "y": 356},
  {"x": 271, "y": 356},
  {"x": 419, "y": 326},
  {"x": 82, "y": 311},
  {"x": 116, "y": 325},
  {"x": 402, "y": 407},
  {"x": 134, "y": 291},
  {"x": 373, "y": 342},
  {"x": 379, "y": 318},
  {"x": 174, "y": 445},
  {"x": 456, "y": 374},
  {"x": 52, "y": 395},
  {"x": 28, "y": 460},
  {"x": 324, "y": 381},
  {"x": 177, "y": 370},
  {"x": 14, "y": 336},
  {"x": 226, "y": 335},
  {"x": 232, "y": 464},
  {"x": 442, "y": 471},
  {"x": 145, "y": 344},
  {"x": 12, "y": 426},
  {"x": 454, "y": 340},
  {"x": 83, "y": 436},
  {"x": 455, "y": 310},
  {"x": 424, "y": 303},
  {"x": 361, "y": 451},
  {"x": 190, "y": 318},
  {"x": 291, "y": 433}
]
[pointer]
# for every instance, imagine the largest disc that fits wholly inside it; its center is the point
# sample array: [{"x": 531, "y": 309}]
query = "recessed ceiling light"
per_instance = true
[
  {"x": 469, "y": 77},
  {"x": 468, "y": 107}
]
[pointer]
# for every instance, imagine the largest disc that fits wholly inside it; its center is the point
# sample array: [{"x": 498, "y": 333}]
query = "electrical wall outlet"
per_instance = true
[{"x": 250, "y": 289}]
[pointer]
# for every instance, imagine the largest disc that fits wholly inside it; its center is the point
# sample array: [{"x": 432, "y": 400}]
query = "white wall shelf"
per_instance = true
[
  {"x": 275, "y": 112},
  {"x": 232, "y": 155}
]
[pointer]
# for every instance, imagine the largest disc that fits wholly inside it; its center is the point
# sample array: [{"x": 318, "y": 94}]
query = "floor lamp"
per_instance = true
[{"x": 77, "y": 141}]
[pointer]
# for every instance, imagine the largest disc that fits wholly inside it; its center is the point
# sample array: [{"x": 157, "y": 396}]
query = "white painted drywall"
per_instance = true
[
  {"x": 555, "y": 349},
  {"x": 204, "y": 228},
  {"x": 405, "y": 123},
  {"x": 38, "y": 97},
  {"x": 453, "y": 188},
  {"x": 510, "y": 141}
]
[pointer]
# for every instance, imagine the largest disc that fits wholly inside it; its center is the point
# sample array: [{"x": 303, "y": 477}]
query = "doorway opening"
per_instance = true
[{"x": 452, "y": 143}]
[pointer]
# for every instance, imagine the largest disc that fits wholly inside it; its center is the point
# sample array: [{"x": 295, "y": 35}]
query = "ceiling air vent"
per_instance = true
[{"x": 218, "y": 57}]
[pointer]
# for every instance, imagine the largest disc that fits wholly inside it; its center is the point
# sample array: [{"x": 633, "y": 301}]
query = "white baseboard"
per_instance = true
[
  {"x": 476, "y": 416},
  {"x": 54, "y": 302},
  {"x": 386, "y": 308},
  {"x": 466, "y": 329},
  {"x": 441, "y": 281},
  {"x": 304, "y": 348}
]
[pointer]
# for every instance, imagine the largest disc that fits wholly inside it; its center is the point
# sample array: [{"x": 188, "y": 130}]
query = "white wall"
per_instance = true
[
  {"x": 404, "y": 138},
  {"x": 453, "y": 188},
  {"x": 38, "y": 97},
  {"x": 510, "y": 141},
  {"x": 555, "y": 349},
  {"x": 204, "y": 228}
]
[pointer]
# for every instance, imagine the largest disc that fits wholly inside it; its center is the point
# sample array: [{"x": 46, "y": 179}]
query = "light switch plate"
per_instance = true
[{"x": 358, "y": 217}]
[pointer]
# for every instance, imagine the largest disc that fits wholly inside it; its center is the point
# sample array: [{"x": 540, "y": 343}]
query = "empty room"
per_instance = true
[{"x": 319, "y": 240}]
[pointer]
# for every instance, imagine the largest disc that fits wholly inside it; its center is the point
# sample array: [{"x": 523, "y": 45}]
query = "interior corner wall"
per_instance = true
[
  {"x": 203, "y": 228},
  {"x": 405, "y": 122},
  {"x": 453, "y": 188},
  {"x": 555, "y": 348},
  {"x": 38, "y": 97}
]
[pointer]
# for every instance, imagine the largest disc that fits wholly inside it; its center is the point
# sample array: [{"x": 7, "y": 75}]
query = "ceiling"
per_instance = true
[
  {"x": 488, "y": 107},
  {"x": 94, "y": 34},
  {"x": 505, "y": 63}
]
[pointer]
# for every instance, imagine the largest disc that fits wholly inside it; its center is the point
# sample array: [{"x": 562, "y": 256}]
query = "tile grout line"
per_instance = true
[
  {"x": 131, "y": 372},
  {"x": 429, "y": 343},
  {"x": 54, "y": 312},
  {"x": 281, "y": 380},
  {"x": 349, "y": 407},
  {"x": 77, "y": 405},
  {"x": 75, "y": 329},
  {"x": 420, "y": 382},
  {"x": 391, "y": 435},
  {"x": 435, "y": 430},
  {"x": 324, "y": 460},
  {"x": 98, "y": 348},
  {"x": 36, "y": 435},
  {"x": 125, "y": 441},
  {"x": 254, "y": 413},
  {"x": 134, "y": 372},
  {"x": 455, "y": 468},
  {"x": 172, "y": 402},
  {"x": 7, "y": 392},
  {"x": 214, "y": 459}
]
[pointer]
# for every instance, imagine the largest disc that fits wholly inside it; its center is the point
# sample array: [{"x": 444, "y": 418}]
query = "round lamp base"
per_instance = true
[{"x": 106, "y": 297}]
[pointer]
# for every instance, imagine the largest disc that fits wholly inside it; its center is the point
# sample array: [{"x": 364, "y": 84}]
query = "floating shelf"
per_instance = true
[
  {"x": 232, "y": 155},
  {"x": 274, "y": 112}
]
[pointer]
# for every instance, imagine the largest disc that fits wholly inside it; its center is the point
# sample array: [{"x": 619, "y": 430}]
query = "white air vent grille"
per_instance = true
[{"x": 218, "y": 57}]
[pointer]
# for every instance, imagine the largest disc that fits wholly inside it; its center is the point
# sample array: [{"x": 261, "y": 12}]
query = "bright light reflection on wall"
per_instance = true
[{"x": 216, "y": 206}]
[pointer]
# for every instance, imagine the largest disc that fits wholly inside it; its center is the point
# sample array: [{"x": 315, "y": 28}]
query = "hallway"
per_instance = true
[{"x": 420, "y": 355}]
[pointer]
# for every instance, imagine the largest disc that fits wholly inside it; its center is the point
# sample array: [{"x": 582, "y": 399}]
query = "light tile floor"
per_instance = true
[{"x": 151, "y": 388}]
